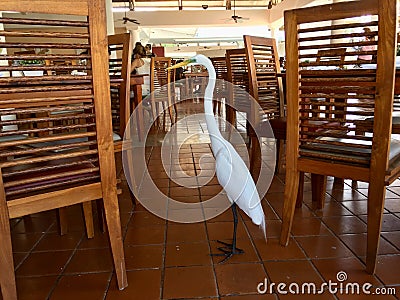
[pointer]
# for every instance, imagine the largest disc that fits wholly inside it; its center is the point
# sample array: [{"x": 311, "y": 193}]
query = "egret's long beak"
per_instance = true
[{"x": 182, "y": 64}]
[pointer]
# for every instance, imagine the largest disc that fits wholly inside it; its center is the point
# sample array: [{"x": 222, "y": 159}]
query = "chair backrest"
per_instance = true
[
  {"x": 265, "y": 85},
  {"x": 120, "y": 50},
  {"x": 40, "y": 98},
  {"x": 237, "y": 70},
  {"x": 160, "y": 77},
  {"x": 221, "y": 71},
  {"x": 324, "y": 101}
]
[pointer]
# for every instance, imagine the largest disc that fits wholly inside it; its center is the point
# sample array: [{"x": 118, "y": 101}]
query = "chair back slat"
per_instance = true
[{"x": 160, "y": 78}]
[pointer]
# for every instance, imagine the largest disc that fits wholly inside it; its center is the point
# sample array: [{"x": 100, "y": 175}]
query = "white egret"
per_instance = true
[{"x": 231, "y": 171}]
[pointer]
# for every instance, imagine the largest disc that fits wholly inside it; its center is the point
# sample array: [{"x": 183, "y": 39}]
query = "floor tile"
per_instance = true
[
  {"x": 323, "y": 246},
  {"x": 309, "y": 226},
  {"x": 100, "y": 240},
  {"x": 189, "y": 282},
  {"x": 273, "y": 250},
  {"x": 82, "y": 286},
  {"x": 54, "y": 241},
  {"x": 44, "y": 263},
  {"x": 145, "y": 218},
  {"x": 24, "y": 242},
  {"x": 273, "y": 229},
  {"x": 345, "y": 224},
  {"x": 293, "y": 273},
  {"x": 145, "y": 235},
  {"x": 35, "y": 288},
  {"x": 142, "y": 284},
  {"x": 333, "y": 208},
  {"x": 144, "y": 257},
  {"x": 187, "y": 254},
  {"x": 393, "y": 237},
  {"x": 224, "y": 230},
  {"x": 358, "y": 244},
  {"x": 352, "y": 269},
  {"x": 356, "y": 207},
  {"x": 250, "y": 297},
  {"x": 239, "y": 278},
  {"x": 30, "y": 224},
  {"x": 90, "y": 260},
  {"x": 183, "y": 233},
  {"x": 385, "y": 270}
]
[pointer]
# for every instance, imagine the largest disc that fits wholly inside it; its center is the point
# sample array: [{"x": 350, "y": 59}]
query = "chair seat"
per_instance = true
[
  {"x": 11, "y": 138},
  {"x": 60, "y": 172},
  {"x": 329, "y": 151}
]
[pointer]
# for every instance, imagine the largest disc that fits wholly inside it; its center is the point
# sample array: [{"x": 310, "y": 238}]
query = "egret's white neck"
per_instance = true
[{"x": 216, "y": 138}]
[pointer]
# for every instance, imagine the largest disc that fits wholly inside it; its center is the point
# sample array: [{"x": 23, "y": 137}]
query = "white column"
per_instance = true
[{"x": 110, "y": 17}]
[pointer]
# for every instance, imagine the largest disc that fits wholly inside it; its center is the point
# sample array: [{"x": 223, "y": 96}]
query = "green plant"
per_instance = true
[
  {"x": 31, "y": 62},
  {"x": 398, "y": 51}
]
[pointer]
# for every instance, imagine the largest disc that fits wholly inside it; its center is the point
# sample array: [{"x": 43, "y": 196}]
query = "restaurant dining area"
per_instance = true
[{"x": 218, "y": 149}]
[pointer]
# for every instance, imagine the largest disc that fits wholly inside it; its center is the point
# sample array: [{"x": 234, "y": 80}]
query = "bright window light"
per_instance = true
[{"x": 213, "y": 32}]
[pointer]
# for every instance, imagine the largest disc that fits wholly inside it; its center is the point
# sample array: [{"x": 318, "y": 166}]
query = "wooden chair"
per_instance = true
[
  {"x": 34, "y": 177},
  {"x": 237, "y": 74},
  {"x": 367, "y": 91},
  {"x": 267, "y": 89},
  {"x": 161, "y": 90},
  {"x": 221, "y": 89}
]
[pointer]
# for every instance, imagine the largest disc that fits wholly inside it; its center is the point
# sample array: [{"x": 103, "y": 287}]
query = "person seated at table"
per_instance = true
[
  {"x": 141, "y": 65},
  {"x": 368, "y": 37}
]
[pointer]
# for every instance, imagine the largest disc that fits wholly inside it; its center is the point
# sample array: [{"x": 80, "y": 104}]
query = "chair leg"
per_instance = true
[
  {"x": 100, "y": 216},
  {"x": 290, "y": 196},
  {"x": 62, "y": 216},
  {"x": 255, "y": 157},
  {"x": 318, "y": 189},
  {"x": 113, "y": 220},
  {"x": 376, "y": 197},
  {"x": 281, "y": 155},
  {"x": 299, "y": 200},
  {"x": 7, "y": 275},
  {"x": 88, "y": 216}
]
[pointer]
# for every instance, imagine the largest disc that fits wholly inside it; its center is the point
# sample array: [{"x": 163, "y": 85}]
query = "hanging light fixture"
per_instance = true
[{"x": 273, "y": 2}]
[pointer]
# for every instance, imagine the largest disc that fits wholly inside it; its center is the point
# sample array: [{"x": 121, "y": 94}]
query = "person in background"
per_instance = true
[
  {"x": 368, "y": 37},
  {"x": 141, "y": 65},
  {"x": 179, "y": 71},
  {"x": 149, "y": 53}
]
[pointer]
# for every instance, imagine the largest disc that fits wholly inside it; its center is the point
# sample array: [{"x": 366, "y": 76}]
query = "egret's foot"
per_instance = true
[{"x": 228, "y": 250}]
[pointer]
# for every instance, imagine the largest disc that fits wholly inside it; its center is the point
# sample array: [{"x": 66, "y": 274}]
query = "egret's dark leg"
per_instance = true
[{"x": 230, "y": 249}]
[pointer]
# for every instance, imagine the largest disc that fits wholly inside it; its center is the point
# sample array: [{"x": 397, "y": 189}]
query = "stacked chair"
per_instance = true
[
  {"x": 51, "y": 160},
  {"x": 357, "y": 91}
]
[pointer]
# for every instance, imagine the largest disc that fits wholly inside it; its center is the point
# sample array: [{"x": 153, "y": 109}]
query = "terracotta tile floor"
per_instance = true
[{"x": 166, "y": 260}]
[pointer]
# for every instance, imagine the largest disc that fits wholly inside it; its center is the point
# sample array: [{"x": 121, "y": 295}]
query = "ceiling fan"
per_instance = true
[
  {"x": 235, "y": 17},
  {"x": 126, "y": 19}
]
